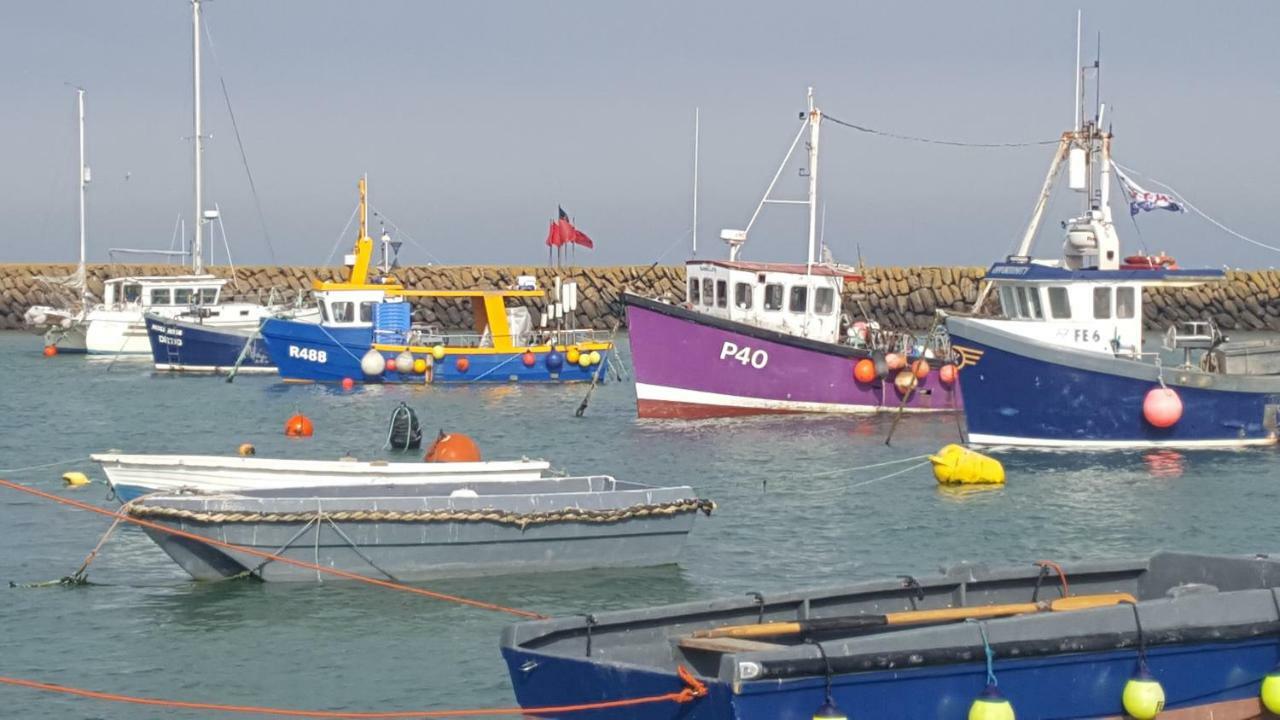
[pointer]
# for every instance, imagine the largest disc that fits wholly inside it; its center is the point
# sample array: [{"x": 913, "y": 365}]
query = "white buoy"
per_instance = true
[
  {"x": 373, "y": 363},
  {"x": 404, "y": 362}
]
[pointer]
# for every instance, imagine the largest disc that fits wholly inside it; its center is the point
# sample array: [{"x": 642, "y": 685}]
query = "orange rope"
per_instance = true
[
  {"x": 693, "y": 690},
  {"x": 269, "y": 556},
  {"x": 1062, "y": 575}
]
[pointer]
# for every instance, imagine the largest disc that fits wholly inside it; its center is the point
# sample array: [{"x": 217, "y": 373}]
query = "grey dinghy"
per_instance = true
[
  {"x": 430, "y": 530},
  {"x": 1209, "y": 627}
]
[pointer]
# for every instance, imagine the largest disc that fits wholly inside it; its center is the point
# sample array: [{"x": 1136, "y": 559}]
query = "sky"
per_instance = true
[{"x": 475, "y": 120}]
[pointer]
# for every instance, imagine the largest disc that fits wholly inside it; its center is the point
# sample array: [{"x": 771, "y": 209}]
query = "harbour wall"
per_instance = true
[{"x": 894, "y": 296}]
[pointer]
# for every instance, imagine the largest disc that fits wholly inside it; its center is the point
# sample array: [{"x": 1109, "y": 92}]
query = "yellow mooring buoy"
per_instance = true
[
  {"x": 75, "y": 479},
  {"x": 958, "y": 465}
]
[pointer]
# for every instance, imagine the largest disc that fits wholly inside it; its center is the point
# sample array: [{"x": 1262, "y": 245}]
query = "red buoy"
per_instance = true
[
  {"x": 864, "y": 371},
  {"x": 50, "y": 350},
  {"x": 298, "y": 426},
  {"x": 947, "y": 374},
  {"x": 1162, "y": 407},
  {"x": 453, "y": 447},
  {"x": 462, "y": 364},
  {"x": 528, "y": 358},
  {"x": 920, "y": 368},
  {"x": 348, "y": 383}
]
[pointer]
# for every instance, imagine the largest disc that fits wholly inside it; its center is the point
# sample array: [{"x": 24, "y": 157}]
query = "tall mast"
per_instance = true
[
  {"x": 1079, "y": 98},
  {"x": 197, "y": 244},
  {"x": 84, "y": 182},
  {"x": 815, "y": 121},
  {"x": 695, "y": 179}
]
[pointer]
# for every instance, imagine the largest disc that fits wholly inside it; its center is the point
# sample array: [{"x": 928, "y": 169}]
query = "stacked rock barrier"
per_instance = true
[{"x": 903, "y": 297}]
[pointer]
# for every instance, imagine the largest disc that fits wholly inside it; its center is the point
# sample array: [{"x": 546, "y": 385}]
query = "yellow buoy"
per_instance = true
[
  {"x": 247, "y": 449},
  {"x": 75, "y": 479},
  {"x": 1143, "y": 696},
  {"x": 595, "y": 357},
  {"x": 572, "y": 355},
  {"x": 991, "y": 705},
  {"x": 1270, "y": 691},
  {"x": 437, "y": 352},
  {"x": 957, "y": 465}
]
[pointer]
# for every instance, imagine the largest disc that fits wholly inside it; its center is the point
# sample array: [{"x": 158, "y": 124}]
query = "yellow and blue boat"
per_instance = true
[{"x": 367, "y": 333}]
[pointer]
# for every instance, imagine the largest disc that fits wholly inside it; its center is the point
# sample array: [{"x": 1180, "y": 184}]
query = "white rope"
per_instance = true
[
  {"x": 1197, "y": 210},
  {"x": 7, "y": 471},
  {"x": 868, "y": 467},
  {"x": 892, "y": 474},
  {"x": 342, "y": 234}
]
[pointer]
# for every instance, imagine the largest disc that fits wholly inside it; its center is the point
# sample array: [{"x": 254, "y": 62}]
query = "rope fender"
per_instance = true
[{"x": 501, "y": 517}]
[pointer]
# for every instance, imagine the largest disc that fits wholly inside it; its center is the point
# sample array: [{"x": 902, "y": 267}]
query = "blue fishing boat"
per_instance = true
[
  {"x": 366, "y": 333},
  {"x": 1179, "y": 635},
  {"x": 1065, "y": 362},
  {"x": 183, "y": 346}
]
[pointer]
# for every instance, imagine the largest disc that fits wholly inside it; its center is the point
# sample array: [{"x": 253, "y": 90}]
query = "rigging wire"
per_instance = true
[
  {"x": 407, "y": 236},
  {"x": 935, "y": 141},
  {"x": 345, "y": 228},
  {"x": 1197, "y": 210},
  {"x": 244, "y": 159}
]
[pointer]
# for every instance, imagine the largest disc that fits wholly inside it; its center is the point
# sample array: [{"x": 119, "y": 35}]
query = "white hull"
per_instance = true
[
  {"x": 133, "y": 475},
  {"x": 124, "y": 331}
]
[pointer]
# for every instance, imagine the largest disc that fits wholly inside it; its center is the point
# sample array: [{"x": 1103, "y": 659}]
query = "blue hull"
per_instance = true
[
  {"x": 315, "y": 353},
  {"x": 191, "y": 347},
  {"x": 1081, "y": 685},
  {"x": 1020, "y": 396}
]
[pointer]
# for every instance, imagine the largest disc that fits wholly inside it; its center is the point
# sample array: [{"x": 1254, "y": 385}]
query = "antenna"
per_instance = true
[
  {"x": 1079, "y": 99},
  {"x": 696, "y": 129},
  {"x": 1097, "y": 84}
]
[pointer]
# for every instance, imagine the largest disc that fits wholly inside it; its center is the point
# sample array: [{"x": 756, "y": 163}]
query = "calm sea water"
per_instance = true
[{"x": 791, "y": 514}]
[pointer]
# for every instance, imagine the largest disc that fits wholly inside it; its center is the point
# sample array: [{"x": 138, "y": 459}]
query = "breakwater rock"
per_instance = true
[{"x": 894, "y": 296}]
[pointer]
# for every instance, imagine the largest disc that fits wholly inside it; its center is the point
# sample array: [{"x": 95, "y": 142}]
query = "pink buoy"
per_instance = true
[
  {"x": 895, "y": 361},
  {"x": 947, "y": 374},
  {"x": 1162, "y": 407}
]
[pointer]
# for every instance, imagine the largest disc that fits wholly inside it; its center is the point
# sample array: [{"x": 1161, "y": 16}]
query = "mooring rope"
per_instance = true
[
  {"x": 254, "y": 552},
  {"x": 840, "y": 471},
  {"x": 487, "y": 515},
  {"x": 13, "y": 471},
  {"x": 693, "y": 690}
]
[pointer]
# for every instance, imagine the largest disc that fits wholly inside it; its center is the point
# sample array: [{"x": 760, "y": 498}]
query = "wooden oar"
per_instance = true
[{"x": 914, "y": 617}]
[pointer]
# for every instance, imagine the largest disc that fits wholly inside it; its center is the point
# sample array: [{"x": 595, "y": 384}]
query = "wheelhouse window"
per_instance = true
[
  {"x": 1125, "y": 304},
  {"x": 773, "y": 296},
  {"x": 324, "y": 312},
  {"x": 722, "y": 293},
  {"x": 1007, "y": 303},
  {"x": 742, "y": 295},
  {"x": 1102, "y": 303},
  {"x": 366, "y": 311},
  {"x": 1033, "y": 303},
  {"x": 1059, "y": 303},
  {"x": 695, "y": 295},
  {"x": 182, "y": 296},
  {"x": 799, "y": 298},
  {"x": 708, "y": 291},
  {"x": 131, "y": 292},
  {"x": 160, "y": 296},
  {"x": 343, "y": 312},
  {"x": 208, "y": 296},
  {"x": 824, "y": 301}
]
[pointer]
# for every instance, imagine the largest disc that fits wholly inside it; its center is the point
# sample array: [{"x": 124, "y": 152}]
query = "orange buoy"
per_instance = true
[
  {"x": 348, "y": 383},
  {"x": 1162, "y": 407},
  {"x": 462, "y": 364},
  {"x": 50, "y": 350},
  {"x": 453, "y": 447},
  {"x": 920, "y": 368},
  {"x": 298, "y": 426},
  {"x": 947, "y": 373},
  {"x": 864, "y": 371},
  {"x": 528, "y": 358},
  {"x": 904, "y": 381},
  {"x": 895, "y": 361}
]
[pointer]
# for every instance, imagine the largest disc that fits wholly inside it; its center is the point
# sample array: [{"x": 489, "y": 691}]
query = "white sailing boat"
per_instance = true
[
  {"x": 117, "y": 325},
  {"x": 63, "y": 326}
]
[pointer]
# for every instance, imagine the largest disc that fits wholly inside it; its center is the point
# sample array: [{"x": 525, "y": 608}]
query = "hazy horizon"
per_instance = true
[{"x": 474, "y": 121}]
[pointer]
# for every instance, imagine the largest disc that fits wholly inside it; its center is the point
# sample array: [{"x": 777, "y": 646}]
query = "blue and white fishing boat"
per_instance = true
[
  {"x": 366, "y": 333},
  {"x": 1064, "y": 363},
  {"x": 191, "y": 346}
]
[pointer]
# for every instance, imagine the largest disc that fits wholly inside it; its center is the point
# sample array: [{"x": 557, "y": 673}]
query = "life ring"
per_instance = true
[{"x": 1149, "y": 262}]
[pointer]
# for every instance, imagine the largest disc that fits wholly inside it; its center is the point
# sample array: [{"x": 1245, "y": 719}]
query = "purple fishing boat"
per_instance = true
[{"x": 753, "y": 338}]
